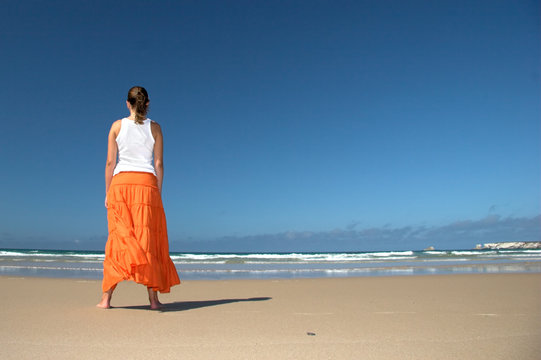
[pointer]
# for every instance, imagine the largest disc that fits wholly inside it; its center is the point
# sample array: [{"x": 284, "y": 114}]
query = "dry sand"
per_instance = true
[{"x": 413, "y": 317}]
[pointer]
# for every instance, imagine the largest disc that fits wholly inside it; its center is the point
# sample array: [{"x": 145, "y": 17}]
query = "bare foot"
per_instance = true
[
  {"x": 155, "y": 304},
  {"x": 105, "y": 302}
]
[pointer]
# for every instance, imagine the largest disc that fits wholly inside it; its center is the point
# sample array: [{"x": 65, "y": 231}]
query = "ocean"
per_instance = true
[{"x": 219, "y": 266}]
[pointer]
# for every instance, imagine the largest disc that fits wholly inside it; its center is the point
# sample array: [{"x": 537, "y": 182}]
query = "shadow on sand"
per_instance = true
[{"x": 189, "y": 305}]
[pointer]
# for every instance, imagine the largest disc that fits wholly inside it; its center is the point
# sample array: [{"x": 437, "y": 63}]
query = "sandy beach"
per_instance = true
[{"x": 496, "y": 316}]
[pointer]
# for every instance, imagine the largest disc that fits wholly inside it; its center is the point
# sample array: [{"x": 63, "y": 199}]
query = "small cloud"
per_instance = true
[
  {"x": 290, "y": 235},
  {"x": 352, "y": 225}
]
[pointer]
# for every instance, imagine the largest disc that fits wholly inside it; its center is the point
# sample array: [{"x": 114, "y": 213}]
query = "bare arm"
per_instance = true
[
  {"x": 112, "y": 151},
  {"x": 158, "y": 152}
]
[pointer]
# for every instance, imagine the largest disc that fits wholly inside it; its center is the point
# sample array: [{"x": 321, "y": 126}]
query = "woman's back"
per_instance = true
[{"x": 135, "y": 147}]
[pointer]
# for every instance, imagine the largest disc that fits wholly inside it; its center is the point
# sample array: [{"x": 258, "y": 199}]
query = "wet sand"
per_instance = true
[{"x": 492, "y": 316}]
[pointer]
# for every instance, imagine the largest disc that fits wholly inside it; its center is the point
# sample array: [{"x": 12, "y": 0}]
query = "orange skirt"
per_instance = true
[{"x": 137, "y": 248}]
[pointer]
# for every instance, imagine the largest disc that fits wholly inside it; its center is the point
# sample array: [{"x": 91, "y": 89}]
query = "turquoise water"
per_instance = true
[{"x": 217, "y": 266}]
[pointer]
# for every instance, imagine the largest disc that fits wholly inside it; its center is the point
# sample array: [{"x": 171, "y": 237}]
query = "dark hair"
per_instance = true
[{"x": 138, "y": 99}]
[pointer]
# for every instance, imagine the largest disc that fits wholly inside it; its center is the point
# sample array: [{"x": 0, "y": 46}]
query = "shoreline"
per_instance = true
[{"x": 480, "y": 316}]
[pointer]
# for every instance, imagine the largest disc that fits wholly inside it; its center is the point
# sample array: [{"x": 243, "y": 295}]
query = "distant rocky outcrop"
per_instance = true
[{"x": 510, "y": 245}]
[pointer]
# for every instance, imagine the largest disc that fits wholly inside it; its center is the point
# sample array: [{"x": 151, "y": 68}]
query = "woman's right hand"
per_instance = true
[{"x": 105, "y": 201}]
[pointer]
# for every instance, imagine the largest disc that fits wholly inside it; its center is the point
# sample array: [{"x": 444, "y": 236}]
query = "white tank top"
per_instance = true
[{"x": 135, "y": 147}]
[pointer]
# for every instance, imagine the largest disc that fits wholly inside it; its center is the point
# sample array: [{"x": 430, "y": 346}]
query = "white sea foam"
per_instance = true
[
  {"x": 89, "y": 256},
  {"x": 37, "y": 254},
  {"x": 435, "y": 252},
  {"x": 292, "y": 257},
  {"x": 473, "y": 253},
  {"x": 392, "y": 253},
  {"x": 12, "y": 253}
]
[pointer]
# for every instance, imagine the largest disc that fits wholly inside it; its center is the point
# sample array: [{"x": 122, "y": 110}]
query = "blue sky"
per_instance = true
[{"x": 289, "y": 125}]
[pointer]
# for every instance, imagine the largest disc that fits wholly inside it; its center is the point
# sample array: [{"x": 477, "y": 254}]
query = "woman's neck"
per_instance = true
[{"x": 132, "y": 117}]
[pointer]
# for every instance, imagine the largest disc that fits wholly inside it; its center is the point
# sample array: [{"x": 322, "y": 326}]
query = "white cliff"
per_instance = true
[{"x": 510, "y": 245}]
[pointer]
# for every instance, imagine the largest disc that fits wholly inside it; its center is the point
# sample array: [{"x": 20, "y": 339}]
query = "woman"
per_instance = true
[{"x": 137, "y": 248}]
